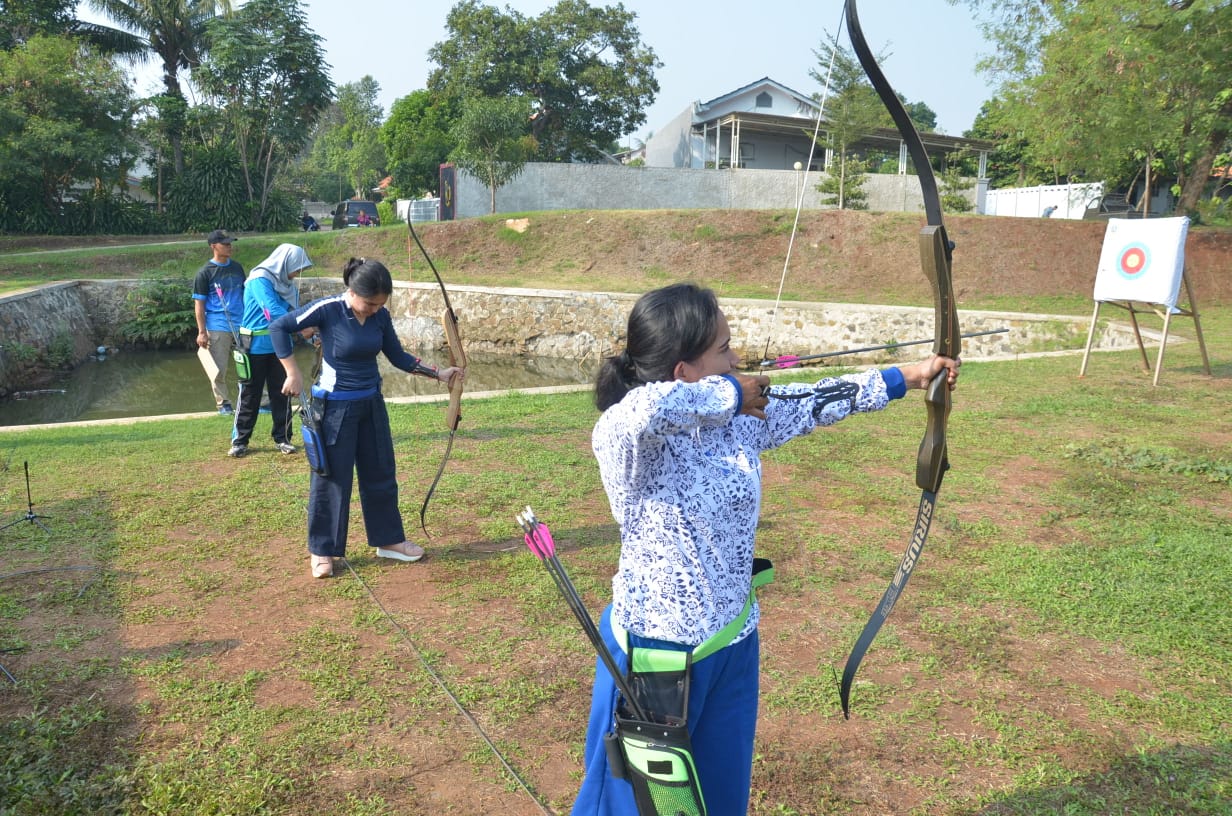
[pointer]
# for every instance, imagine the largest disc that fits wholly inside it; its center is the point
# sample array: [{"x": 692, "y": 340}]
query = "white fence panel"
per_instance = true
[
  {"x": 419, "y": 209},
  {"x": 1050, "y": 201}
]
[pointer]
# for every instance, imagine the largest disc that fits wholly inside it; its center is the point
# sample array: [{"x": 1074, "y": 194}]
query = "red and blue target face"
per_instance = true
[{"x": 1133, "y": 261}]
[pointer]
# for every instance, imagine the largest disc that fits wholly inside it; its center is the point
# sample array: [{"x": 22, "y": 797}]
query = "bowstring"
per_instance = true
[{"x": 791, "y": 241}]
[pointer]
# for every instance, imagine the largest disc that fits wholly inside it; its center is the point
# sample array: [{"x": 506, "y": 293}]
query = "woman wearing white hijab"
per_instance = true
[{"x": 269, "y": 293}]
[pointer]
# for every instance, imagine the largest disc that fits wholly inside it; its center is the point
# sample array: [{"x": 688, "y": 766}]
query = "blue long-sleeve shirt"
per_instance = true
[
  {"x": 349, "y": 348},
  {"x": 262, "y": 306}
]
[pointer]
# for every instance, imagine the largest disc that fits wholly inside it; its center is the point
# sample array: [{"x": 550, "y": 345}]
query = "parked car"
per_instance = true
[
  {"x": 1112, "y": 206},
  {"x": 346, "y": 214}
]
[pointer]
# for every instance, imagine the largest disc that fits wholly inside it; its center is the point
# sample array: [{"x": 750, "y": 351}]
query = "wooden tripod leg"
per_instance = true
[
  {"x": 1086, "y": 355},
  {"x": 1163, "y": 344},
  {"x": 1193, "y": 311}
]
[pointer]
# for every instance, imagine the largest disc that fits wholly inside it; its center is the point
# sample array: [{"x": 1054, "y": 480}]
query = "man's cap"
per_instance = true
[{"x": 219, "y": 237}]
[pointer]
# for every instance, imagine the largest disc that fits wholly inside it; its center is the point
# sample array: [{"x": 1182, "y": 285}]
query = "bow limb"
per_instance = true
[
  {"x": 935, "y": 259},
  {"x": 457, "y": 358}
]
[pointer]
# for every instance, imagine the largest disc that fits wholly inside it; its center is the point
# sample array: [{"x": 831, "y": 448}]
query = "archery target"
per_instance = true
[
  {"x": 1134, "y": 260},
  {"x": 1142, "y": 260}
]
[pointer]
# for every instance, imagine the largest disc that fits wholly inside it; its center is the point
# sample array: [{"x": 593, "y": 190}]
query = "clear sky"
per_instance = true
[{"x": 707, "y": 49}]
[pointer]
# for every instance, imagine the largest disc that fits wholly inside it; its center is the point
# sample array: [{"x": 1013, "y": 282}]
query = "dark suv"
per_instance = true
[{"x": 346, "y": 214}]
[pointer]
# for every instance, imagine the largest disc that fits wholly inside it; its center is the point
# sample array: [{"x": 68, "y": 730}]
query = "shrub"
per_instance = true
[{"x": 161, "y": 318}]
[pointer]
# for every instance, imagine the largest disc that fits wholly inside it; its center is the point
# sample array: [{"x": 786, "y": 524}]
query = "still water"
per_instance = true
[{"x": 153, "y": 383}]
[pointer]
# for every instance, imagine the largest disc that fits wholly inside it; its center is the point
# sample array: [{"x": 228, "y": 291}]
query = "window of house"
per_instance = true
[{"x": 764, "y": 100}]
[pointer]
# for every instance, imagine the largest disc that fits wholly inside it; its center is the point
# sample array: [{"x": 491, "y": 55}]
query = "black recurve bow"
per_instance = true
[
  {"x": 457, "y": 357},
  {"x": 935, "y": 257}
]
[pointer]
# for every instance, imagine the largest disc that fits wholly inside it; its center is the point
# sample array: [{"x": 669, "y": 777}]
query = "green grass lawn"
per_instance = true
[{"x": 1064, "y": 645}]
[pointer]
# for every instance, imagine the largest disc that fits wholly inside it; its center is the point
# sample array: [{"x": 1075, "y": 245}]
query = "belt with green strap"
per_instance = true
[
  {"x": 667, "y": 660},
  {"x": 253, "y": 332}
]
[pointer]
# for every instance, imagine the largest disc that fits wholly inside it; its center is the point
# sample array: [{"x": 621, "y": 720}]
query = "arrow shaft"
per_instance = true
[{"x": 791, "y": 360}]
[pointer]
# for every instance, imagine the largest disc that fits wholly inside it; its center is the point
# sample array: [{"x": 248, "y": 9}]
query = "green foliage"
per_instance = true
[
  {"x": 583, "y": 70},
  {"x": 843, "y": 186},
  {"x": 22, "y": 361},
  {"x": 65, "y": 116},
  {"x": 267, "y": 77},
  {"x": 417, "y": 142},
  {"x": 163, "y": 314},
  {"x": 1099, "y": 90},
  {"x": 60, "y": 351},
  {"x": 953, "y": 186},
  {"x": 386, "y": 211},
  {"x": 49, "y": 762},
  {"x": 1214, "y": 212},
  {"x": 173, "y": 31},
  {"x": 491, "y": 141},
  {"x": 346, "y": 144},
  {"x": 24, "y": 19},
  {"x": 210, "y": 193}
]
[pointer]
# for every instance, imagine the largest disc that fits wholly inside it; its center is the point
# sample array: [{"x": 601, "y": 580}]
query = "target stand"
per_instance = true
[{"x": 1141, "y": 270}]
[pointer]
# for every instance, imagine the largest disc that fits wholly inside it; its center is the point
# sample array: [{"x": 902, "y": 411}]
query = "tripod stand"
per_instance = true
[{"x": 30, "y": 515}]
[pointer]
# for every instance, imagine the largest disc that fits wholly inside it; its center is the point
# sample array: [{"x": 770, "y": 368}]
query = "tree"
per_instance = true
[
  {"x": 1009, "y": 165},
  {"x": 172, "y": 30},
  {"x": 954, "y": 185},
  {"x": 417, "y": 141},
  {"x": 347, "y": 138},
  {"x": 491, "y": 140},
  {"x": 843, "y": 184},
  {"x": 22, "y": 19},
  {"x": 923, "y": 117},
  {"x": 851, "y": 111},
  {"x": 1109, "y": 89},
  {"x": 64, "y": 133},
  {"x": 584, "y": 71},
  {"x": 265, "y": 75}
]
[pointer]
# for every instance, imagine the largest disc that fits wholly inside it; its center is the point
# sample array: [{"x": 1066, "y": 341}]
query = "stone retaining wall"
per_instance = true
[{"x": 65, "y": 322}]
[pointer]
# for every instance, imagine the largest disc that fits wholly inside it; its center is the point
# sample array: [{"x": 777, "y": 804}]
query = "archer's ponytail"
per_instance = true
[
  {"x": 367, "y": 277},
  {"x": 666, "y": 326}
]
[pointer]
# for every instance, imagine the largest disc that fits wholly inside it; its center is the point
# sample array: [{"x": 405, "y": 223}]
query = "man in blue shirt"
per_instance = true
[{"x": 218, "y": 302}]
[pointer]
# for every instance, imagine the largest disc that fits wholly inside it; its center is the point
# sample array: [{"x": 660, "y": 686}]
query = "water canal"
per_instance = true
[{"x": 149, "y": 383}]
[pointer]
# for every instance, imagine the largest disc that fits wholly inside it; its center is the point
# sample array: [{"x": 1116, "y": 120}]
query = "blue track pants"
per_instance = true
[{"x": 722, "y": 720}]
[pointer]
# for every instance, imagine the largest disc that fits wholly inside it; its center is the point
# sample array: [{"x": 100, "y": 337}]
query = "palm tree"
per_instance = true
[{"x": 172, "y": 30}]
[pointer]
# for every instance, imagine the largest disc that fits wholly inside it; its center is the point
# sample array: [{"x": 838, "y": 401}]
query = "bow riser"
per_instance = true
[
  {"x": 457, "y": 357},
  {"x": 935, "y": 259}
]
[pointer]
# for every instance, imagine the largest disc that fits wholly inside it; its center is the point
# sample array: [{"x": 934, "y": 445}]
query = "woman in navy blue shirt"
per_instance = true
[{"x": 354, "y": 327}]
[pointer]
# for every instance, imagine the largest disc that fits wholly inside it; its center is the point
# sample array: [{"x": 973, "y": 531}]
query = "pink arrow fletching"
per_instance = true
[
  {"x": 544, "y": 537},
  {"x": 786, "y": 361},
  {"x": 534, "y": 546}
]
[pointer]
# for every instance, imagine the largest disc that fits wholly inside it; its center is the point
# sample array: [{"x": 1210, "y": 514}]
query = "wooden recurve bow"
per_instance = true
[
  {"x": 457, "y": 357},
  {"x": 935, "y": 258}
]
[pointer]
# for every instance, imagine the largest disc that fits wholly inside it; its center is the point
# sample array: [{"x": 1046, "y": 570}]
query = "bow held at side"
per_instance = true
[{"x": 457, "y": 357}]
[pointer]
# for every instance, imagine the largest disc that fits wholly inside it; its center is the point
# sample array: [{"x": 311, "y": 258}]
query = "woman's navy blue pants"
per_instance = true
[{"x": 358, "y": 444}]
